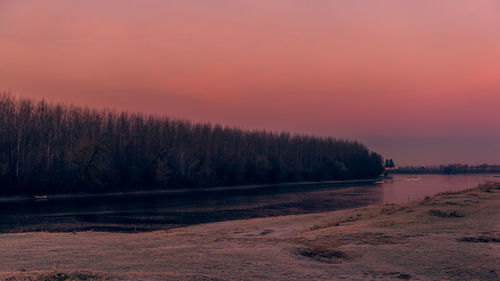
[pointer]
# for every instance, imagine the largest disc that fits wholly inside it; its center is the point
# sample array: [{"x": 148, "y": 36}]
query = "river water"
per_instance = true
[{"x": 146, "y": 212}]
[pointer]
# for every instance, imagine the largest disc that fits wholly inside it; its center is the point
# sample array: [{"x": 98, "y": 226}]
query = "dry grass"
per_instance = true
[
  {"x": 322, "y": 255},
  {"x": 56, "y": 276},
  {"x": 446, "y": 214}
]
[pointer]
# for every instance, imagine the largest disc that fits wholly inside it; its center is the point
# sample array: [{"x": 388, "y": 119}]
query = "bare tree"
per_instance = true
[{"x": 54, "y": 148}]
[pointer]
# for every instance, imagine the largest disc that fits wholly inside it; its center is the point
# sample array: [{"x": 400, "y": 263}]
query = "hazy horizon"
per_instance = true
[{"x": 418, "y": 82}]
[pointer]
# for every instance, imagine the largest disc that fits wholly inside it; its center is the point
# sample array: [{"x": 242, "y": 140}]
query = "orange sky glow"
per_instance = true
[{"x": 418, "y": 81}]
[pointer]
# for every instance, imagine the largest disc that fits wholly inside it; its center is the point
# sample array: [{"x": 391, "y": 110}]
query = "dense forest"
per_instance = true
[{"x": 53, "y": 148}]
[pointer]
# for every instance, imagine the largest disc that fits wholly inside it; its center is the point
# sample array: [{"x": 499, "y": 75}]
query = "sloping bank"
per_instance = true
[{"x": 450, "y": 236}]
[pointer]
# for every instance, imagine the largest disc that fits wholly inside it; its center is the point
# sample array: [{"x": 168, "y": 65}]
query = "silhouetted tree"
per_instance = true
[{"x": 53, "y": 148}]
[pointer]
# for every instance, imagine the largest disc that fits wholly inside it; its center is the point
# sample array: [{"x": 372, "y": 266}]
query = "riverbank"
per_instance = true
[{"x": 451, "y": 236}]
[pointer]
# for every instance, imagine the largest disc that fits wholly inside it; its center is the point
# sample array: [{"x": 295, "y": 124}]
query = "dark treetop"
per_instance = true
[{"x": 52, "y": 148}]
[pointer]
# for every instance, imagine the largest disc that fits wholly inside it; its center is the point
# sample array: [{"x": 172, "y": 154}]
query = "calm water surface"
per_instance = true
[{"x": 164, "y": 211}]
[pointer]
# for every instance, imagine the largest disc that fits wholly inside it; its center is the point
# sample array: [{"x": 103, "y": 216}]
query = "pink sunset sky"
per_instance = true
[{"x": 417, "y": 81}]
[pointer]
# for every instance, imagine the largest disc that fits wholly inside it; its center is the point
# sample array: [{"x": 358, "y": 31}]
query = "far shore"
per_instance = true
[
  {"x": 180, "y": 190},
  {"x": 449, "y": 236}
]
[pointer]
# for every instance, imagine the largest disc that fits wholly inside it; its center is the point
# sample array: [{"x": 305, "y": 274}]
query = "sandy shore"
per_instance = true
[{"x": 451, "y": 236}]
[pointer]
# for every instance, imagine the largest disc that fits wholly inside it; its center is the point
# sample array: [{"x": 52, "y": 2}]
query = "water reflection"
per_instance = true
[
  {"x": 161, "y": 211},
  {"x": 411, "y": 187}
]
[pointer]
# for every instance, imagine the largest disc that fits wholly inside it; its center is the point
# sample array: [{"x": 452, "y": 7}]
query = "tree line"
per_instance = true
[
  {"x": 449, "y": 169},
  {"x": 55, "y": 148}
]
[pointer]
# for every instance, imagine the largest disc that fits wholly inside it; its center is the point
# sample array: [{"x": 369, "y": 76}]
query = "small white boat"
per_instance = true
[{"x": 40, "y": 197}]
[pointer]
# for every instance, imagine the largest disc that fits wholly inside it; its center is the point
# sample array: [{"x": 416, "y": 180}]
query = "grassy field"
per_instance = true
[{"x": 450, "y": 236}]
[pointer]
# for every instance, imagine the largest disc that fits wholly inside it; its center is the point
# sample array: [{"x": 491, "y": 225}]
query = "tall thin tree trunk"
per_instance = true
[{"x": 18, "y": 152}]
